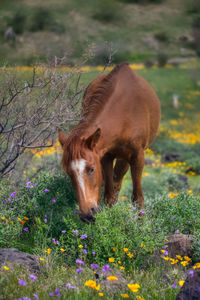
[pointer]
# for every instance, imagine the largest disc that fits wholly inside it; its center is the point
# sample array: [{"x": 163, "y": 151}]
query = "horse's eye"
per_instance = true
[{"x": 91, "y": 170}]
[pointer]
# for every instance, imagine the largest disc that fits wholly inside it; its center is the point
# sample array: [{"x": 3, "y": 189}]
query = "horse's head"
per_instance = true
[{"x": 82, "y": 163}]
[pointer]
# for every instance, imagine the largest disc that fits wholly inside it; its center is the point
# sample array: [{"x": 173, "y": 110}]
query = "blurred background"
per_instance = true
[{"x": 136, "y": 30}]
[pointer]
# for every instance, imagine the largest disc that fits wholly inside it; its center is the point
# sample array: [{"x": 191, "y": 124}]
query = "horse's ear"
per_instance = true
[
  {"x": 61, "y": 137},
  {"x": 92, "y": 140}
]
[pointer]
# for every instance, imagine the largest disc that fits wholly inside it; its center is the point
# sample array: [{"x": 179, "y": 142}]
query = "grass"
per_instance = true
[{"x": 50, "y": 226}]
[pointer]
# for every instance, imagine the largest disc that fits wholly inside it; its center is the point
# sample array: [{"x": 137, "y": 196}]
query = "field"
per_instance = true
[{"x": 39, "y": 214}]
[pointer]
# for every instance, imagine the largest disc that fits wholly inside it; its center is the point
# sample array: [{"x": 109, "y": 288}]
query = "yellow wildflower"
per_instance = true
[
  {"x": 122, "y": 268},
  {"x": 92, "y": 284},
  {"x": 112, "y": 278},
  {"x": 111, "y": 259},
  {"x": 119, "y": 262},
  {"x": 101, "y": 294},
  {"x": 48, "y": 251},
  {"x": 25, "y": 218},
  {"x": 125, "y": 295},
  {"x": 3, "y": 218},
  {"x": 6, "y": 268},
  {"x": 41, "y": 258},
  {"x": 134, "y": 287},
  {"x": 142, "y": 245},
  {"x": 187, "y": 258},
  {"x": 184, "y": 263},
  {"x": 196, "y": 266},
  {"x": 125, "y": 249},
  {"x": 62, "y": 250},
  {"x": 114, "y": 249},
  {"x": 130, "y": 255},
  {"x": 139, "y": 297},
  {"x": 123, "y": 197},
  {"x": 181, "y": 282},
  {"x": 179, "y": 257},
  {"x": 166, "y": 257},
  {"x": 173, "y": 261},
  {"x": 80, "y": 246}
]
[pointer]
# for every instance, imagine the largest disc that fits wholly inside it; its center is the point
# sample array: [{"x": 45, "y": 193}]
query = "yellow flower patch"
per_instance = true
[
  {"x": 92, "y": 284},
  {"x": 112, "y": 278},
  {"x": 125, "y": 295},
  {"x": 134, "y": 287},
  {"x": 111, "y": 259}
]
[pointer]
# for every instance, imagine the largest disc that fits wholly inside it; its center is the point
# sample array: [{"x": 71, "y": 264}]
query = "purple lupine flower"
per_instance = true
[
  {"x": 56, "y": 292},
  {"x": 50, "y": 294},
  {"x": 94, "y": 266},
  {"x": 46, "y": 190},
  {"x": 166, "y": 252},
  {"x": 172, "y": 218},
  {"x": 75, "y": 211},
  {"x": 84, "y": 236},
  {"x": 13, "y": 195},
  {"x": 28, "y": 185},
  {"x": 64, "y": 231},
  {"x": 34, "y": 184},
  {"x": 22, "y": 282},
  {"x": 191, "y": 273},
  {"x": 79, "y": 270},
  {"x": 188, "y": 222},
  {"x": 54, "y": 240},
  {"x": 45, "y": 216},
  {"x": 73, "y": 287},
  {"x": 53, "y": 200},
  {"x": 45, "y": 220},
  {"x": 174, "y": 285},
  {"x": 93, "y": 253},
  {"x": 9, "y": 200},
  {"x": 80, "y": 262},
  {"x": 165, "y": 247},
  {"x": 33, "y": 277},
  {"x": 85, "y": 251},
  {"x": 26, "y": 229},
  {"x": 177, "y": 231},
  {"x": 68, "y": 285},
  {"x": 75, "y": 232},
  {"x": 106, "y": 268},
  {"x": 142, "y": 212},
  {"x": 36, "y": 296},
  {"x": 133, "y": 208}
]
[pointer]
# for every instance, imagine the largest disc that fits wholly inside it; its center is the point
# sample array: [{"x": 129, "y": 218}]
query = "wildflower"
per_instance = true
[
  {"x": 63, "y": 231},
  {"x": 56, "y": 292},
  {"x": 184, "y": 263},
  {"x": 42, "y": 259},
  {"x": 111, "y": 259},
  {"x": 165, "y": 252},
  {"x": 48, "y": 251},
  {"x": 34, "y": 184},
  {"x": 172, "y": 218},
  {"x": 92, "y": 284},
  {"x": 68, "y": 285},
  {"x": 53, "y": 240},
  {"x": 50, "y": 294},
  {"x": 166, "y": 257},
  {"x": 122, "y": 268},
  {"x": 142, "y": 245},
  {"x": 45, "y": 220},
  {"x": 80, "y": 246},
  {"x": 13, "y": 195},
  {"x": 94, "y": 266},
  {"x": 46, "y": 190},
  {"x": 179, "y": 257},
  {"x": 3, "y": 218},
  {"x": 73, "y": 287},
  {"x": 125, "y": 295},
  {"x": 112, "y": 278},
  {"x": 26, "y": 298},
  {"x": 75, "y": 232},
  {"x": 75, "y": 212},
  {"x": 191, "y": 273},
  {"x": 187, "y": 258},
  {"x": 114, "y": 249},
  {"x": 33, "y": 277},
  {"x": 181, "y": 282},
  {"x": 93, "y": 253},
  {"x": 36, "y": 296},
  {"x": 142, "y": 212},
  {"x": 133, "y": 287},
  {"x": 119, "y": 262},
  {"x": 139, "y": 297},
  {"x": 106, "y": 268},
  {"x": 79, "y": 270},
  {"x": 125, "y": 249},
  {"x": 26, "y": 229},
  {"x": 62, "y": 250},
  {"x": 84, "y": 236},
  {"x": 101, "y": 294},
  {"x": 80, "y": 262},
  {"x": 22, "y": 282},
  {"x": 25, "y": 218},
  {"x": 133, "y": 208},
  {"x": 197, "y": 265},
  {"x": 53, "y": 201},
  {"x": 6, "y": 268},
  {"x": 174, "y": 285},
  {"x": 173, "y": 261},
  {"x": 177, "y": 231}
]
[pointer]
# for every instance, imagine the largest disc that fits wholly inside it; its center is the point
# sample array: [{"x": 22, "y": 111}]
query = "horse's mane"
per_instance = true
[{"x": 97, "y": 92}]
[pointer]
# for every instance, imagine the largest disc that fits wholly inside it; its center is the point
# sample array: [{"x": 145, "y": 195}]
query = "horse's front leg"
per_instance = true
[
  {"x": 107, "y": 165},
  {"x": 137, "y": 165}
]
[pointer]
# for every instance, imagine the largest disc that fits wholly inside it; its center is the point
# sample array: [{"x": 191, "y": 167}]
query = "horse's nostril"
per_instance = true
[{"x": 93, "y": 210}]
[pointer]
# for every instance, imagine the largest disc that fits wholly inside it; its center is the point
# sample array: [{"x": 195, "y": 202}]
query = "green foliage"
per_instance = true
[
  {"x": 18, "y": 22},
  {"x": 162, "y": 59},
  {"x": 42, "y": 18},
  {"x": 108, "y": 11}
]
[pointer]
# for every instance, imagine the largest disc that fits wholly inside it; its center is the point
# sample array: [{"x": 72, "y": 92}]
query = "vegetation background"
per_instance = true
[{"x": 49, "y": 52}]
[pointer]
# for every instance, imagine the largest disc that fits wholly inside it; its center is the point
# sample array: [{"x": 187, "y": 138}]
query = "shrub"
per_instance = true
[
  {"x": 161, "y": 36},
  {"x": 18, "y": 22},
  {"x": 42, "y": 18},
  {"x": 196, "y": 34},
  {"x": 107, "y": 11},
  {"x": 162, "y": 59}
]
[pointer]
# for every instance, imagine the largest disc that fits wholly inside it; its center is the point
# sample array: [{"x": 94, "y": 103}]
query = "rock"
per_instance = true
[
  {"x": 114, "y": 285},
  {"x": 174, "y": 156},
  {"x": 16, "y": 257},
  {"x": 191, "y": 288},
  {"x": 179, "y": 244}
]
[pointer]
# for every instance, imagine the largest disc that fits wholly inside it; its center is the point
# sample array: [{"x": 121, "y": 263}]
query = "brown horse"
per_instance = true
[{"x": 121, "y": 115}]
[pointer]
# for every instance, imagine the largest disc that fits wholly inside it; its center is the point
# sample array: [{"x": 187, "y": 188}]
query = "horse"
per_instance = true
[{"x": 120, "y": 119}]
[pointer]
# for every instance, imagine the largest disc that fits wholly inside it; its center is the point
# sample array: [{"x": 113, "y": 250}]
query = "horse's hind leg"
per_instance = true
[
  {"x": 137, "y": 164},
  {"x": 107, "y": 165},
  {"x": 120, "y": 169}
]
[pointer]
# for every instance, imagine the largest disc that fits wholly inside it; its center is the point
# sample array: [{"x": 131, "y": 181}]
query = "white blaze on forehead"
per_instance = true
[{"x": 78, "y": 166}]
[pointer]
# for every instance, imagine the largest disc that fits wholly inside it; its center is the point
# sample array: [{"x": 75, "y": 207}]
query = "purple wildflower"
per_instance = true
[
  {"x": 73, "y": 287},
  {"x": 177, "y": 231},
  {"x": 174, "y": 284},
  {"x": 142, "y": 212},
  {"x": 106, "y": 268},
  {"x": 46, "y": 190},
  {"x": 133, "y": 208},
  {"x": 105, "y": 228},
  {"x": 50, "y": 294},
  {"x": 68, "y": 285},
  {"x": 45, "y": 220},
  {"x": 191, "y": 273},
  {"x": 85, "y": 251},
  {"x": 93, "y": 253},
  {"x": 94, "y": 266},
  {"x": 36, "y": 296},
  {"x": 64, "y": 231},
  {"x": 56, "y": 292},
  {"x": 80, "y": 262},
  {"x": 58, "y": 243},
  {"x": 84, "y": 236},
  {"x": 75, "y": 211},
  {"x": 53, "y": 200},
  {"x": 195, "y": 221},
  {"x": 22, "y": 282},
  {"x": 198, "y": 288},
  {"x": 45, "y": 216},
  {"x": 33, "y": 277},
  {"x": 188, "y": 222},
  {"x": 165, "y": 247},
  {"x": 26, "y": 298},
  {"x": 13, "y": 195},
  {"x": 75, "y": 232},
  {"x": 79, "y": 270},
  {"x": 34, "y": 184},
  {"x": 28, "y": 185},
  {"x": 26, "y": 229},
  {"x": 172, "y": 218},
  {"x": 9, "y": 200},
  {"x": 54, "y": 240},
  {"x": 166, "y": 252}
]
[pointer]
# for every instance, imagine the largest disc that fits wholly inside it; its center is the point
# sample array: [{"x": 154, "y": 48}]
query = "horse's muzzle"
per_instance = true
[{"x": 88, "y": 218}]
